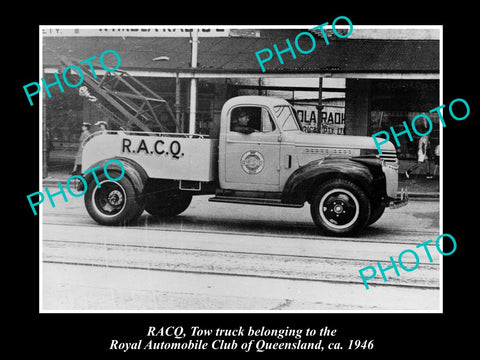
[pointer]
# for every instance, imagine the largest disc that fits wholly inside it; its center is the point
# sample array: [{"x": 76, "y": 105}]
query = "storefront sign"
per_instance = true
[
  {"x": 147, "y": 32},
  {"x": 308, "y": 116},
  {"x": 331, "y": 121}
]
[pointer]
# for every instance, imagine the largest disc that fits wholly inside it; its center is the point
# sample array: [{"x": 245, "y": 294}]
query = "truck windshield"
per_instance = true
[{"x": 286, "y": 117}]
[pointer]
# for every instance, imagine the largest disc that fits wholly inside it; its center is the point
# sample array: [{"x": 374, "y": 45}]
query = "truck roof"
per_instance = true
[{"x": 255, "y": 100}]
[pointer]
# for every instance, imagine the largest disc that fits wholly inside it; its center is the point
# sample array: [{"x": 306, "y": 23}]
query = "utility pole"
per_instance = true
[
  {"x": 177, "y": 103},
  {"x": 193, "y": 83},
  {"x": 320, "y": 104},
  {"x": 44, "y": 138}
]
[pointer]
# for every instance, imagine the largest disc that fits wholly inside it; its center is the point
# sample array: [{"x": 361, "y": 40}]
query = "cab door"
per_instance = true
[{"x": 252, "y": 161}]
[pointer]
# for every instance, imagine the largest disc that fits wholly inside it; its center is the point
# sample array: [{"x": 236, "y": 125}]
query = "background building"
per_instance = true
[{"x": 374, "y": 79}]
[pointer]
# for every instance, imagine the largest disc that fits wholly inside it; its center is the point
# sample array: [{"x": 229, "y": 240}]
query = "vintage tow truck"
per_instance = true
[{"x": 273, "y": 163}]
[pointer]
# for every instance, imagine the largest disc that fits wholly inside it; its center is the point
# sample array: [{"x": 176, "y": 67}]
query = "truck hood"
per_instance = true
[{"x": 302, "y": 139}]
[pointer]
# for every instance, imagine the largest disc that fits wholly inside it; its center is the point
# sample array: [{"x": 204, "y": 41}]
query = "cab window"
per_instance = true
[{"x": 248, "y": 119}]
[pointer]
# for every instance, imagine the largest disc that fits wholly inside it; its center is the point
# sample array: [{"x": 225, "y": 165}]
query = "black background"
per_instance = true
[{"x": 395, "y": 335}]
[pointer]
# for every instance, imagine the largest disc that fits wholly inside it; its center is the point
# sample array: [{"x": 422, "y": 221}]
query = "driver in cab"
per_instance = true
[{"x": 243, "y": 124}]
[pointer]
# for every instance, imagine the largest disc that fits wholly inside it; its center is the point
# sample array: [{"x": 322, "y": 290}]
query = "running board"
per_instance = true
[{"x": 252, "y": 201}]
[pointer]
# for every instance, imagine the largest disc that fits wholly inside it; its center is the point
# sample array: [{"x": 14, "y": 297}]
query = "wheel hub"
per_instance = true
[
  {"x": 109, "y": 199},
  {"x": 338, "y": 208},
  {"x": 115, "y": 198}
]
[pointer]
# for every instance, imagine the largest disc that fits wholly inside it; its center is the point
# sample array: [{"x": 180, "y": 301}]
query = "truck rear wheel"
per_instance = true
[
  {"x": 166, "y": 204},
  {"x": 113, "y": 202},
  {"x": 340, "y": 207}
]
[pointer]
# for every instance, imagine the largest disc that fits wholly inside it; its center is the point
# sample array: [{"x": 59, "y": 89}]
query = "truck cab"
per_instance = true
[{"x": 261, "y": 157}]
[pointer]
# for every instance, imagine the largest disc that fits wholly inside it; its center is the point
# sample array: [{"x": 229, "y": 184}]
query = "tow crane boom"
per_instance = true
[{"x": 125, "y": 100}]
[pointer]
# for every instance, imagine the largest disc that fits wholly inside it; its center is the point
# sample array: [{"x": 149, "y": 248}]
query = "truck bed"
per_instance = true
[{"x": 163, "y": 155}]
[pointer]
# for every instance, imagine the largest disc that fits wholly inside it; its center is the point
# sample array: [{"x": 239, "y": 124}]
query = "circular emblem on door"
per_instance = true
[{"x": 252, "y": 162}]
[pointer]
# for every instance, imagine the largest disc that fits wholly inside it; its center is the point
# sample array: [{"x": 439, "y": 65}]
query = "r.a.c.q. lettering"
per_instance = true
[{"x": 159, "y": 147}]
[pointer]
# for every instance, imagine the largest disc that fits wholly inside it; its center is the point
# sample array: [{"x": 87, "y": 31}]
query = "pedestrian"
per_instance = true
[
  {"x": 423, "y": 143},
  {"x": 49, "y": 144},
  {"x": 78, "y": 158},
  {"x": 103, "y": 125},
  {"x": 437, "y": 159}
]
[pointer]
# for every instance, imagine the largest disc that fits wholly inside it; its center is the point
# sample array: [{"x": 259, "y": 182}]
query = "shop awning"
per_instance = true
[{"x": 235, "y": 56}]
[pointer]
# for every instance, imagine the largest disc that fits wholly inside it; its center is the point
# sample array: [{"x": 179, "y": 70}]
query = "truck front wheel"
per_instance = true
[
  {"x": 166, "y": 204},
  {"x": 377, "y": 210},
  {"x": 113, "y": 202},
  {"x": 340, "y": 207}
]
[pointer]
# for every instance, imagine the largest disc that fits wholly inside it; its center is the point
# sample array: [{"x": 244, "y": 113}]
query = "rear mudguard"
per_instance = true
[
  {"x": 133, "y": 171},
  {"x": 366, "y": 172}
]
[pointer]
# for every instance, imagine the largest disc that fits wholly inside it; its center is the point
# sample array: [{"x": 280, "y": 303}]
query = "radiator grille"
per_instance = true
[
  {"x": 389, "y": 156},
  {"x": 328, "y": 151}
]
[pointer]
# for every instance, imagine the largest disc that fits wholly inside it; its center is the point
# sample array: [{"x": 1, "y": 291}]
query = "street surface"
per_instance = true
[{"x": 226, "y": 257}]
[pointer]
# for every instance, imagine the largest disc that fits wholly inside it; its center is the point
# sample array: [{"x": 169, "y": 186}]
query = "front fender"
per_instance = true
[{"x": 299, "y": 186}]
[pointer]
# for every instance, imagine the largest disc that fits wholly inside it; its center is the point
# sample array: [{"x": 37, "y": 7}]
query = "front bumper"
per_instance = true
[
  {"x": 400, "y": 201},
  {"x": 390, "y": 169}
]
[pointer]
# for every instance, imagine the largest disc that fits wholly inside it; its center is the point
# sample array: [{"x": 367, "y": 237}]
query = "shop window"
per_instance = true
[{"x": 383, "y": 120}]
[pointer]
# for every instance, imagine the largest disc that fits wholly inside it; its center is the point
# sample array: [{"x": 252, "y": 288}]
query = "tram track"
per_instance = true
[
  {"x": 395, "y": 235},
  {"x": 228, "y": 254},
  {"x": 223, "y": 258},
  {"x": 372, "y": 283}
]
